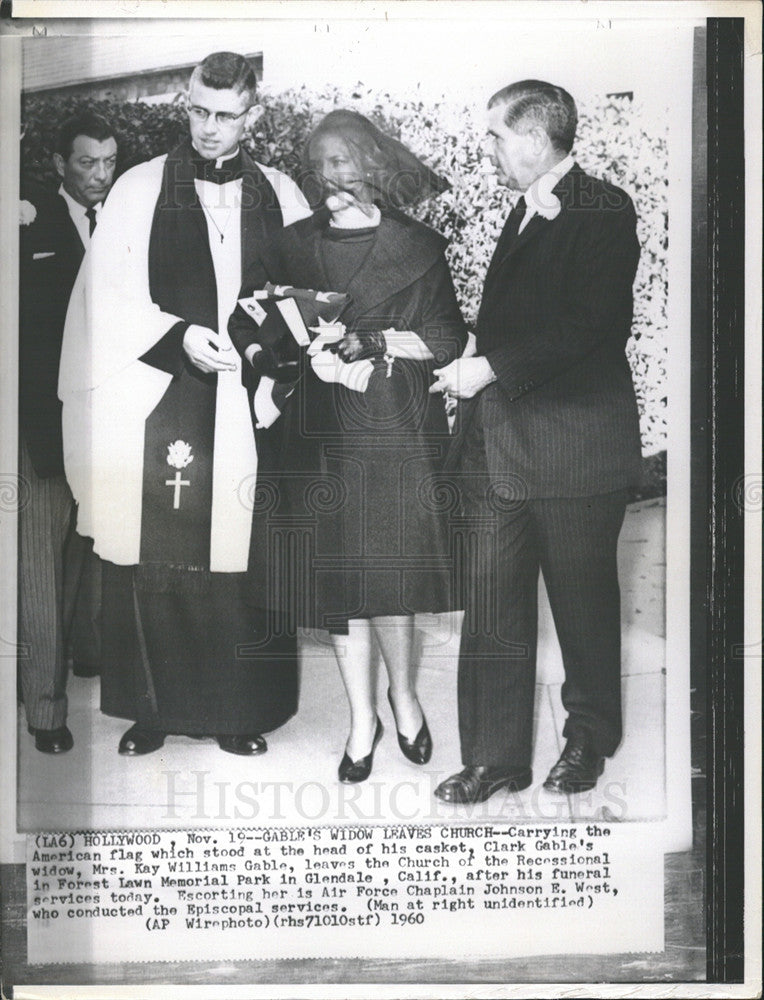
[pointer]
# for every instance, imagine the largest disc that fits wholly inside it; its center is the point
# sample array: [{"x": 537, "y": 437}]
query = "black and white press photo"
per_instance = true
[{"x": 356, "y": 463}]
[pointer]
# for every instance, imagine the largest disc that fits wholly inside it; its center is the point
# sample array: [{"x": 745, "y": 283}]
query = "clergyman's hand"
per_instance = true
[
  {"x": 464, "y": 377},
  {"x": 206, "y": 350}
]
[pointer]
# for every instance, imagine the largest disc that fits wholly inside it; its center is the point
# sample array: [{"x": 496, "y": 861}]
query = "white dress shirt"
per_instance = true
[{"x": 77, "y": 212}]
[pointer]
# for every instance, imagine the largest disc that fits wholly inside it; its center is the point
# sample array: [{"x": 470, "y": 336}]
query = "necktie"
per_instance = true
[
  {"x": 91, "y": 216},
  {"x": 507, "y": 237},
  {"x": 512, "y": 225},
  {"x": 526, "y": 213}
]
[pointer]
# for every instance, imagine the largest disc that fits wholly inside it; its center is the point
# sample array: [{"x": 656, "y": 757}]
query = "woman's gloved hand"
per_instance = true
[
  {"x": 267, "y": 362},
  {"x": 359, "y": 344}
]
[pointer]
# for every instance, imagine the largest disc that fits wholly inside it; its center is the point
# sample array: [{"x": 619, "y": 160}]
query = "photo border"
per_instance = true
[{"x": 721, "y": 443}]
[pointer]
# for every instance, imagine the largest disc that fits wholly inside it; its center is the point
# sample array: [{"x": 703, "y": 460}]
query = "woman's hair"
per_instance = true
[{"x": 391, "y": 172}]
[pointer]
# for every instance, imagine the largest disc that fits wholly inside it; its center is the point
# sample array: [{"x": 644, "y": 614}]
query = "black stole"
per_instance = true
[
  {"x": 182, "y": 282},
  {"x": 181, "y": 274}
]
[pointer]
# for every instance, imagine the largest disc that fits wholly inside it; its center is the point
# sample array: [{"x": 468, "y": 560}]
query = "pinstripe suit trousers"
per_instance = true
[
  {"x": 508, "y": 540},
  {"x": 50, "y": 564}
]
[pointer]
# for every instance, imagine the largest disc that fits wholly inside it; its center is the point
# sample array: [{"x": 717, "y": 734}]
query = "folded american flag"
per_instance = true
[
  {"x": 288, "y": 320},
  {"x": 281, "y": 309}
]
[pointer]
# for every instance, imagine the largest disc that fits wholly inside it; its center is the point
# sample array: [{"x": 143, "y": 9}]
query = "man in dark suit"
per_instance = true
[
  {"x": 55, "y": 230},
  {"x": 548, "y": 446}
]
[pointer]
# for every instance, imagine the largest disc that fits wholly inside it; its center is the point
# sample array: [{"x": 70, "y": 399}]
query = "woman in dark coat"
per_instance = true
[{"x": 355, "y": 454}]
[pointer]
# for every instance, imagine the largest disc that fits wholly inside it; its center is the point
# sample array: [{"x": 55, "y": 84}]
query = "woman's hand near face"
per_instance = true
[{"x": 350, "y": 213}]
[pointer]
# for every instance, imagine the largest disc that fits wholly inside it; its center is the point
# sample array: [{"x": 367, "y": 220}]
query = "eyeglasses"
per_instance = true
[{"x": 221, "y": 117}]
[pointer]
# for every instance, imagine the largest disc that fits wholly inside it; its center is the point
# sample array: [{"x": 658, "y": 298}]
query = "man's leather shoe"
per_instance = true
[
  {"x": 138, "y": 741},
  {"x": 476, "y": 784},
  {"x": 578, "y": 768},
  {"x": 52, "y": 740},
  {"x": 244, "y": 746}
]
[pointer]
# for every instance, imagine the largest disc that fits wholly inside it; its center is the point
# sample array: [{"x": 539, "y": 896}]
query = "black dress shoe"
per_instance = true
[
  {"x": 52, "y": 740},
  {"x": 352, "y": 771},
  {"x": 138, "y": 741},
  {"x": 578, "y": 768},
  {"x": 243, "y": 746},
  {"x": 418, "y": 750},
  {"x": 476, "y": 784}
]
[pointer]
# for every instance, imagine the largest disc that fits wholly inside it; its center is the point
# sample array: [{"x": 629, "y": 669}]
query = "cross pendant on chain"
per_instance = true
[{"x": 221, "y": 232}]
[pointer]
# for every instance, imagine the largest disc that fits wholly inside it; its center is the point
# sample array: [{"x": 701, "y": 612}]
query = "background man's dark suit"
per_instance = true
[
  {"x": 547, "y": 452},
  {"x": 51, "y": 555},
  {"x": 51, "y": 253}
]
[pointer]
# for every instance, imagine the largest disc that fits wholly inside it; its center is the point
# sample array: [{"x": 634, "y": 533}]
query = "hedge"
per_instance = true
[{"x": 613, "y": 142}]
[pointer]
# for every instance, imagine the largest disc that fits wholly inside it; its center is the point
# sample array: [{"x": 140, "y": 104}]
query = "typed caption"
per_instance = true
[{"x": 364, "y": 891}]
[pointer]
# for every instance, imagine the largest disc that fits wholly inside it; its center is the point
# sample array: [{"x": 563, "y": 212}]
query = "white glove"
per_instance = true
[{"x": 327, "y": 333}]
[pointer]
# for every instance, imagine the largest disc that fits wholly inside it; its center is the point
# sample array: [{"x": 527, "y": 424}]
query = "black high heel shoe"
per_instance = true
[
  {"x": 352, "y": 771},
  {"x": 418, "y": 750}
]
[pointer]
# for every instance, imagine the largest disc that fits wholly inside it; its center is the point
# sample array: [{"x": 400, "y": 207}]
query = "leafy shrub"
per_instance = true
[
  {"x": 143, "y": 130},
  {"x": 613, "y": 142},
  {"x": 653, "y": 478}
]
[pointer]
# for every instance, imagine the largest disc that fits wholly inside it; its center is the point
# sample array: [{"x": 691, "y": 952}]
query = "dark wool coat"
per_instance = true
[{"x": 348, "y": 499}]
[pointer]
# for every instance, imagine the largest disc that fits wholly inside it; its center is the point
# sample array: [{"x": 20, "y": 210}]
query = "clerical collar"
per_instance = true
[
  {"x": 539, "y": 198},
  {"x": 219, "y": 171}
]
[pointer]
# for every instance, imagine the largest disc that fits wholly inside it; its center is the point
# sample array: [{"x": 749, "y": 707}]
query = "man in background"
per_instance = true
[{"x": 53, "y": 560}]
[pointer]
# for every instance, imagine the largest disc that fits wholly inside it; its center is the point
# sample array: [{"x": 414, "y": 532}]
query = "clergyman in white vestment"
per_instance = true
[{"x": 158, "y": 436}]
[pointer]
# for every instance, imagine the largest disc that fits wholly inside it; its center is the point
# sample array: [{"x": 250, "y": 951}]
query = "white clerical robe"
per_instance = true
[{"x": 108, "y": 392}]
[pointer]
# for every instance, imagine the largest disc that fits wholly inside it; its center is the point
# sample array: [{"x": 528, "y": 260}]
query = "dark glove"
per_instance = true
[
  {"x": 266, "y": 362},
  {"x": 359, "y": 344}
]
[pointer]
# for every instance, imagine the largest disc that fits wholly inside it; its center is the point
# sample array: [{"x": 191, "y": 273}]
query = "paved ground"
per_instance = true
[{"x": 93, "y": 787}]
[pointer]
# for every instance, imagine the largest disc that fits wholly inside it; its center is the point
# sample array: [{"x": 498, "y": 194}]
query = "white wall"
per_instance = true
[
  {"x": 465, "y": 58},
  {"x": 471, "y": 59}
]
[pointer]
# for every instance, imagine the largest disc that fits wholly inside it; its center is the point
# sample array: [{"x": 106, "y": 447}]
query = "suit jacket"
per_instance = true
[
  {"x": 561, "y": 420},
  {"x": 50, "y": 255}
]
